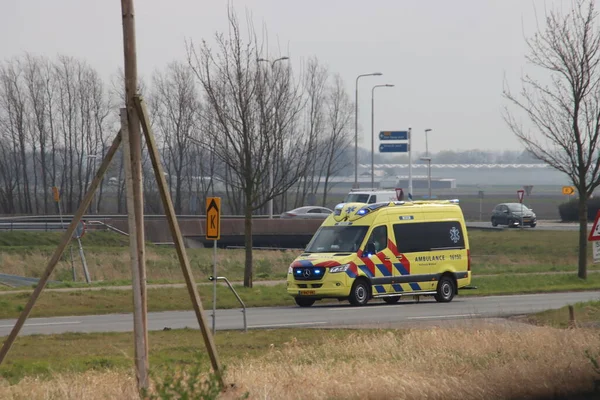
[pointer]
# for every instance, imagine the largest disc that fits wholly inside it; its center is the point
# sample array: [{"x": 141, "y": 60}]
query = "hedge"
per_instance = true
[{"x": 569, "y": 211}]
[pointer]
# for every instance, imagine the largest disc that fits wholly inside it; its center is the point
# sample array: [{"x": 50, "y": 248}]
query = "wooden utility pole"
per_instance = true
[
  {"x": 140, "y": 342},
  {"x": 135, "y": 191},
  {"x": 178, "y": 239}
]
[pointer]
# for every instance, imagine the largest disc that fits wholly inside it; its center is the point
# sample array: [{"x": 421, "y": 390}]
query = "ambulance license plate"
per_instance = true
[{"x": 307, "y": 292}]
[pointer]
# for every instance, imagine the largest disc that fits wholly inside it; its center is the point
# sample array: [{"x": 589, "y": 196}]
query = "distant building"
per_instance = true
[{"x": 482, "y": 174}]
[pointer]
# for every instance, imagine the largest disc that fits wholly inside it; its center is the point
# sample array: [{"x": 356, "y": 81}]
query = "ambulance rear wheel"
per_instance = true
[
  {"x": 391, "y": 300},
  {"x": 303, "y": 302},
  {"x": 359, "y": 295},
  {"x": 446, "y": 289}
]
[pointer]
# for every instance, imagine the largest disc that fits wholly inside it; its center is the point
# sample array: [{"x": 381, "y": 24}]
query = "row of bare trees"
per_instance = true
[
  {"x": 227, "y": 125},
  {"x": 54, "y": 115}
]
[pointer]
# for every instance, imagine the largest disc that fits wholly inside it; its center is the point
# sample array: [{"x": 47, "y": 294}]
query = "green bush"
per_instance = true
[
  {"x": 569, "y": 211},
  {"x": 187, "y": 383}
]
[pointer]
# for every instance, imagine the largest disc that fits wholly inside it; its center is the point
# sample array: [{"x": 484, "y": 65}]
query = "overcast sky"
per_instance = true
[{"x": 447, "y": 59}]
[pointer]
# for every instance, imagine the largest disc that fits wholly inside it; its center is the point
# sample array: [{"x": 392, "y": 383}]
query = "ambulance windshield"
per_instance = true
[
  {"x": 330, "y": 239},
  {"x": 357, "y": 198}
]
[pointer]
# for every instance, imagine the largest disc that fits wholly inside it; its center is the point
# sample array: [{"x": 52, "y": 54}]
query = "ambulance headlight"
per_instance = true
[{"x": 339, "y": 268}]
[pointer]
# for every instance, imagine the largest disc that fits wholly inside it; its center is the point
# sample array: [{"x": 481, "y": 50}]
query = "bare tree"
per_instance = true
[
  {"x": 176, "y": 108},
  {"x": 565, "y": 110},
  {"x": 254, "y": 114},
  {"x": 13, "y": 118},
  {"x": 315, "y": 91},
  {"x": 338, "y": 139},
  {"x": 8, "y": 181}
]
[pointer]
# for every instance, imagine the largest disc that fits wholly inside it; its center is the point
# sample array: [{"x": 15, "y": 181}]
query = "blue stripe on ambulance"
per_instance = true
[
  {"x": 415, "y": 286},
  {"x": 383, "y": 269},
  {"x": 397, "y": 287},
  {"x": 401, "y": 269},
  {"x": 365, "y": 270},
  {"x": 380, "y": 289}
]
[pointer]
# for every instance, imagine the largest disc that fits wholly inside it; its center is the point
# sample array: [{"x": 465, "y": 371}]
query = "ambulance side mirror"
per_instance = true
[{"x": 370, "y": 249}]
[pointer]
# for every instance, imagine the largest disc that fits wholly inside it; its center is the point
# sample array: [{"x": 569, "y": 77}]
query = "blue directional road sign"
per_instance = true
[
  {"x": 393, "y": 135},
  {"x": 393, "y": 148}
]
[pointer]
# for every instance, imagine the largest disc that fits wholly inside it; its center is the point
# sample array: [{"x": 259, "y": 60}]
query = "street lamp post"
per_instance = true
[
  {"x": 271, "y": 163},
  {"x": 373, "y": 132},
  {"x": 426, "y": 143},
  {"x": 428, "y": 159},
  {"x": 356, "y": 125}
]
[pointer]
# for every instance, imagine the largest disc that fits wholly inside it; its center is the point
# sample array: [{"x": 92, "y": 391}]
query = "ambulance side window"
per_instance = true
[
  {"x": 373, "y": 199},
  {"x": 379, "y": 238},
  {"x": 411, "y": 238},
  {"x": 446, "y": 235},
  {"x": 429, "y": 236}
]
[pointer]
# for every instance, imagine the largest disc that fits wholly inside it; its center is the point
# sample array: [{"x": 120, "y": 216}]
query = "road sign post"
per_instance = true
[
  {"x": 393, "y": 148},
  {"x": 410, "y": 183},
  {"x": 78, "y": 234},
  {"x": 56, "y": 196},
  {"x": 594, "y": 235},
  {"x": 398, "y": 148},
  {"x": 399, "y": 194},
  {"x": 480, "y": 195},
  {"x": 213, "y": 232},
  {"x": 520, "y": 194},
  {"x": 393, "y": 135},
  {"x": 568, "y": 190}
]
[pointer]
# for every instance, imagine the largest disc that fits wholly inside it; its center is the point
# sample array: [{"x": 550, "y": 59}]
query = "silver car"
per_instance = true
[{"x": 308, "y": 212}]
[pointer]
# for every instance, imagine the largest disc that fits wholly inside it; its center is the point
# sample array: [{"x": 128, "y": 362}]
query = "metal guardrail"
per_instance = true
[
  {"x": 31, "y": 226},
  {"x": 52, "y": 226},
  {"x": 100, "y": 217},
  {"x": 222, "y": 278}
]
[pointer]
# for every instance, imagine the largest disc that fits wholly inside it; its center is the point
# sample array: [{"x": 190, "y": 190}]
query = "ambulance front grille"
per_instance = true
[{"x": 308, "y": 273}]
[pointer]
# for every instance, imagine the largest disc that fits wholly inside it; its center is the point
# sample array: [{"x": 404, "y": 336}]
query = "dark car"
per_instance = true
[{"x": 513, "y": 214}]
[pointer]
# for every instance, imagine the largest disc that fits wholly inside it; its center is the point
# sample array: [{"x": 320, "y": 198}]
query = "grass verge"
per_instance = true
[
  {"x": 274, "y": 364},
  {"x": 586, "y": 314},
  {"x": 106, "y": 301},
  {"x": 534, "y": 283},
  {"x": 26, "y": 254}
]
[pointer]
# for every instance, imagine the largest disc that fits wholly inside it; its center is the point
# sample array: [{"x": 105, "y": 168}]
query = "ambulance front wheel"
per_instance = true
[
  {"x": 446, "y": 290},
  {"x": 359, "y": 295},
  {"x": 304, "y": 302}
]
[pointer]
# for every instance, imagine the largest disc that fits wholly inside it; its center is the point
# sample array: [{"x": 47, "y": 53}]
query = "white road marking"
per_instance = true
[
  {"x": 354, "y": 308},
  {"x": 44, "y": 324},
  {"x": 444, "y": 316},
  {"x": 290, "y": 324}
]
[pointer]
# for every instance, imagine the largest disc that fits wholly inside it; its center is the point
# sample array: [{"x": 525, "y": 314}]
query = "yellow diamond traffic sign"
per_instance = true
[{"x": 568, "y": 190}]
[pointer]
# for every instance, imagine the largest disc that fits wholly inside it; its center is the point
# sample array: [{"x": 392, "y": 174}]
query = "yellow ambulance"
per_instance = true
[{"x": 384, "y": 250}]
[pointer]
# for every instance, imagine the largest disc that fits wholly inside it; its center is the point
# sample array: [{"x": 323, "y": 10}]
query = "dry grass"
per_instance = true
[
  {"x": 112, "y": 264},
  {"x": 85, "y": 386},
  {"x": 108, "y": 257},
  {"x": 455, "y": 363}
]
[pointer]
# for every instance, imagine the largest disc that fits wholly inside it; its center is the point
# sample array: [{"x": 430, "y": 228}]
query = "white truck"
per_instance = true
[{"x": 370, "y": 196}]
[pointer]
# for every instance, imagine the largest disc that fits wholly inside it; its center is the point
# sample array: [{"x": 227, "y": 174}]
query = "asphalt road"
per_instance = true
[
  {"x": 541, "y": 225},
  {"x": 325, "y": 315}
]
